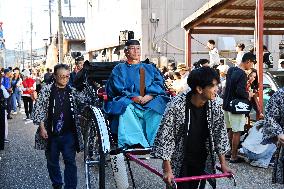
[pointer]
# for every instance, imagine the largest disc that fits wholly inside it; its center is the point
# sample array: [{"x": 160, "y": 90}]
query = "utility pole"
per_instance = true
[
  {"x": 60, "y": 33},
  {"x": 31, "y": 35},
  {"x": 23, "y": 53},
  {"x": 50, "y": 32},
  {"x": 70, "y": 8}
]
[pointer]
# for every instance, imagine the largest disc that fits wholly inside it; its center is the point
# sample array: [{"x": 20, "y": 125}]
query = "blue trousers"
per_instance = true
[
  {"x": 138, "y": 126},
  {"x": 16, "y": 99},
  {"x": 262, "y": 159},
  {"x": 64, "y": 144}
]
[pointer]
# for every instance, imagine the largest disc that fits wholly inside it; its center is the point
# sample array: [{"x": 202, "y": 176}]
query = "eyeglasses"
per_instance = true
[
  {"x": 63, "y": 76},
  {"x": 133, "y": 48}
]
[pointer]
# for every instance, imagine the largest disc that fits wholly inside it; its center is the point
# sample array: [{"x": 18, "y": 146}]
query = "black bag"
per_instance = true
[{"x": 240, "y": 106}]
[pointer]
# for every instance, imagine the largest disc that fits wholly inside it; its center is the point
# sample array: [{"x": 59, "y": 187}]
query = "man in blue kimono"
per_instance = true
[{"x": 136, "y": 95}]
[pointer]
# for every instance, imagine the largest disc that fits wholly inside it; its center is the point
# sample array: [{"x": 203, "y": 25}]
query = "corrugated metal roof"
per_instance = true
[
  {"x": 74, "y": 28},
  {"x": 236, "y": 13}
]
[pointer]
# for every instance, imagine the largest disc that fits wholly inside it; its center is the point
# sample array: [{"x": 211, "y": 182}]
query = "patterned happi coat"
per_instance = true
[
  {"x": 169, "y": 143},
  {"x": 40, "y": 114},
  {"x": 273, "y": 126}
]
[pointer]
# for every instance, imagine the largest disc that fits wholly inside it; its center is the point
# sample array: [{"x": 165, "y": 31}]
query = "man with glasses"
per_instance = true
[
  {"x": 136, "y": 98},
  {"x": 56, "y": 112}
]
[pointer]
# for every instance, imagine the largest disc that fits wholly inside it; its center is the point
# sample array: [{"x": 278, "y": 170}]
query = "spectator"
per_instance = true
[
  {"x": 273, "y": 132},
  {"x": 282, "y": 64},
  {"x": 138, "y": 102},
  {"x": 223, "y": 69},
  {"x": 203, "y": 62},
  {"x": 259, "y": 154},
  {"x": 6, "y": 82},
  {"x": 252, "y": 86},
  {"x": 177, "y": 84},
  {"x": 3, "y": 119},
  {"x": 56, "y": 112},
  {"x": 240, "y": 50},
  {"x": 183, "y": 139},
  {"x": 29, "y": 86},
  {"x": 17, "y": 93},
  {"x": 236, "y": 82},
  {"x": 47, "y": 78},
  {"x": 267, "y": 58},
  {"x": 79, "y": 62},
  {"x": 213, "y": 54},
  {"x": 184, "y": 72}
]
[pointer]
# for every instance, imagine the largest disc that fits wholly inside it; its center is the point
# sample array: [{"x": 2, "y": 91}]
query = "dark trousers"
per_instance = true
[
  {"x": 188, "y": 170},
  {"x": 28, "y": 104},
  {"x": 65, "y": 145},
  {"x": 9, "y": 105},
  {"x": 2, "y": 127}
]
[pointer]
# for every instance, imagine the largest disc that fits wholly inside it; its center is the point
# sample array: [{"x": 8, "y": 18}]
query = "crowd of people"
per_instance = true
[{"x": 202, "y": 118}]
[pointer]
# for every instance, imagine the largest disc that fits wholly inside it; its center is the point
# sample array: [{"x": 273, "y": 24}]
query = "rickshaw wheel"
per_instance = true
[{"x": 94, "y": 157}]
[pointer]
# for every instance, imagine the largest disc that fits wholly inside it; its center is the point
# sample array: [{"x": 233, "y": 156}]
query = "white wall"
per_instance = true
[
  {"x": 170, "y": 13},
  {"x": 105, "y": 20}
]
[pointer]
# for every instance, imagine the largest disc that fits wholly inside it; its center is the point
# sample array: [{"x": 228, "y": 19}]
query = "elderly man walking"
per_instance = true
[{"x": 56, "y": 112}]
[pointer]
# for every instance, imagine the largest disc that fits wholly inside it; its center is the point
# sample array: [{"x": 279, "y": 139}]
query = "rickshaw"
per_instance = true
[{"x": 100, "y": 143}]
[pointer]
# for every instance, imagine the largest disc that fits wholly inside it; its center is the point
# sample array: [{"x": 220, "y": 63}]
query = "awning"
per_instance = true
[
  {"x": 74, "y": 28},
  {"x": 235, "y": 17}
]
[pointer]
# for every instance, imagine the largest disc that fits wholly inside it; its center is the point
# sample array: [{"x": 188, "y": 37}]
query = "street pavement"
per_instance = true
[{"x": 23, "y": 167}]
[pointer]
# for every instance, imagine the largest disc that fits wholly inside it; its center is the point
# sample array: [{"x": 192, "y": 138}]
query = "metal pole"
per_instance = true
[
  {"x": 60, "y": 33},
  {"x": 50, "y": 32},
  {"x": 259, "y": 52},
  {"x": 188, "y": 49}
]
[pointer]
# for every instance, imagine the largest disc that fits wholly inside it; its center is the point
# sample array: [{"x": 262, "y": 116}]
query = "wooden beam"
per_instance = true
[
  {"x": 234, "y": 31},
  {"x": 188, "y": 49},
  {"x": 207, "y": 14},
  {"x": 239, "y": 25},
  {"x": 234, "y": 7},
  {"x": 246, "y": 17}
]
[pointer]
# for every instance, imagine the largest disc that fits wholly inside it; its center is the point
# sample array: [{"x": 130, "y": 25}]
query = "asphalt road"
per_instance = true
[{"x": 23, "y": 167}]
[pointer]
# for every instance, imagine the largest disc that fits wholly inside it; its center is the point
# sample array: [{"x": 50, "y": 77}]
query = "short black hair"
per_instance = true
[
  {"x": 202, "y": 77},
  {"x": 16, "y": 68},
  {"x": 203, "y": 61},
  {"x": 60, "y": 66},
  {"x": 265, "y": 47},
  {"x": 241, "y": 46},
  {"x": 248, "y": 56},
  {"x": 211, "y": 41}
]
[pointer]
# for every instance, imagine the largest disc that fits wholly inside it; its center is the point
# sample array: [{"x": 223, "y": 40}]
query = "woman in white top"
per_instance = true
[
  {"x": 240, "y": 50},
  {"x": 259, "y": 154}
]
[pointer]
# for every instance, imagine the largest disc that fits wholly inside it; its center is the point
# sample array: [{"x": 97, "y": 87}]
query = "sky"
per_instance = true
[
  {"x": 16, "y": 18},
  {"x": 17, "y": 15}
]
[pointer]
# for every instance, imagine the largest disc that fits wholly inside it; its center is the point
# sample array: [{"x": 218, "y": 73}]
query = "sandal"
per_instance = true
[{"x": 238, "y": 160}]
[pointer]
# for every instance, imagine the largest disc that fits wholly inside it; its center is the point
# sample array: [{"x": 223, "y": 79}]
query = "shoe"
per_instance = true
[
  {"x": 57, "y": 186},
  {"x": 228, "y": 155},
  {"x": 6, "y": 141},
  {"x": 238, "y": 160},
  {"x": 257, "y": 164},
  {"x": 15, "y": 113},
  {"x": 9, "y": 117}
]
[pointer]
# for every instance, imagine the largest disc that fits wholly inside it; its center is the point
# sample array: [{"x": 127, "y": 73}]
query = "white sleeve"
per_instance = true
[{"x": 5, "y": 93}]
